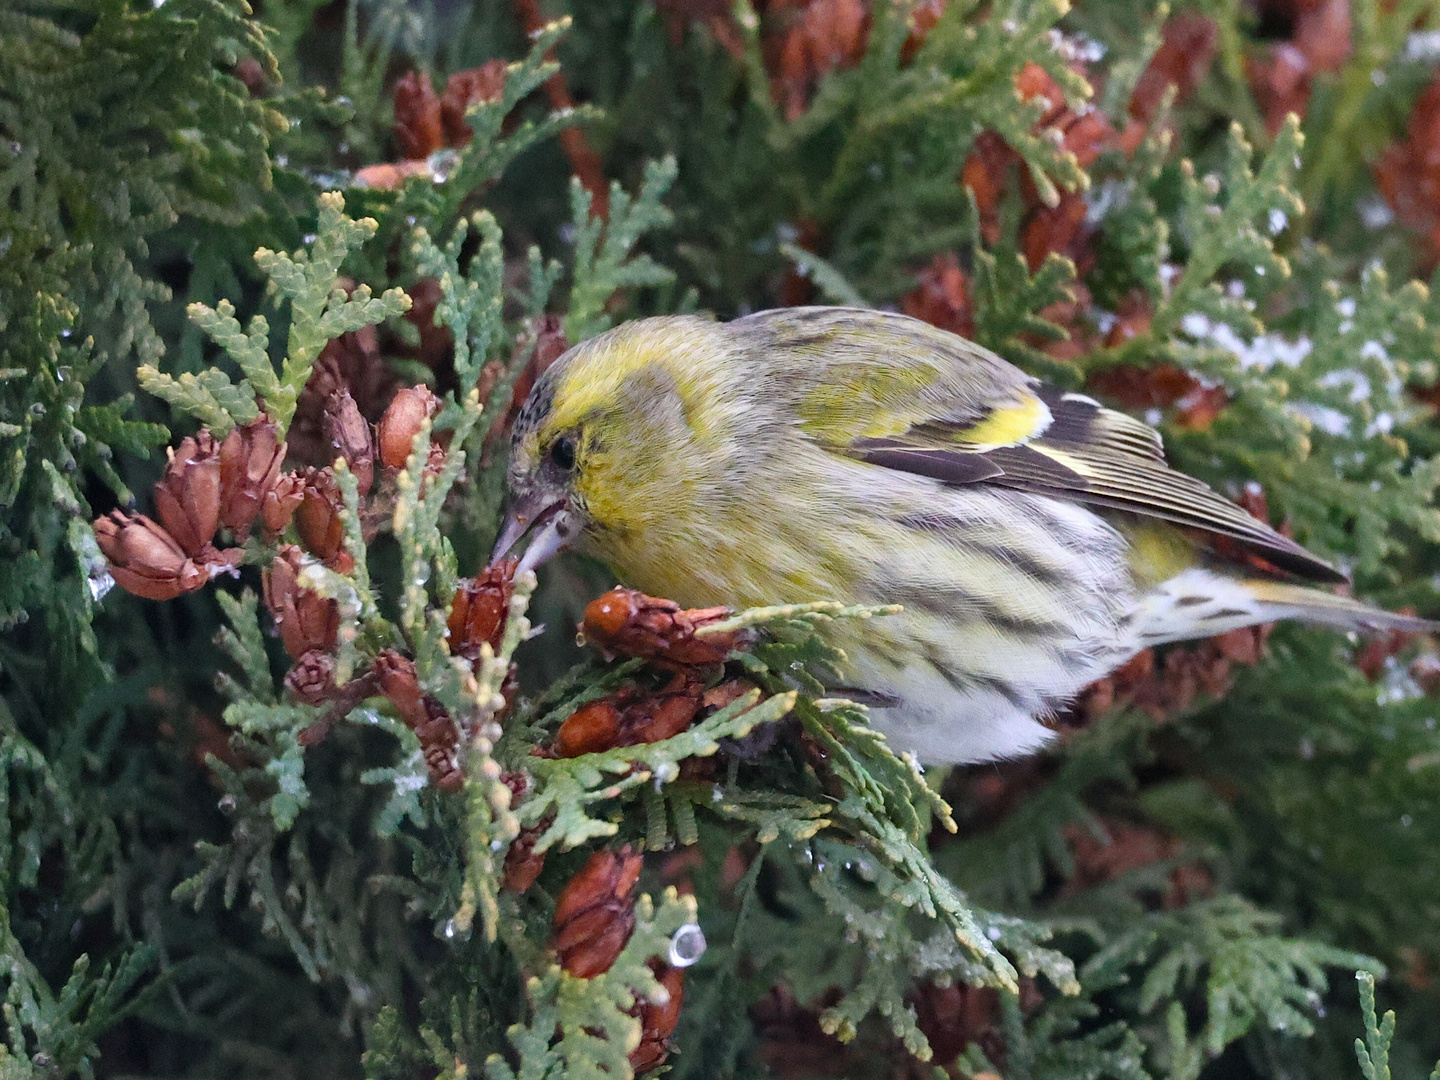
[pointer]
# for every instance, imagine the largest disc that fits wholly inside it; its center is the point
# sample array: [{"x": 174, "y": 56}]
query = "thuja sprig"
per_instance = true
[
  {"x": 604, "y": 260},
  {"x": 1227, "y": 219},
  {"x": 593, "y": 1017},
  {"x": 567, "y": 787},
  {"x": 1373, "y": 1051},
  {"x": 490, "y": 821},
  {"x": 319, "y": 311},
  {"x": 885, "y": 806}
]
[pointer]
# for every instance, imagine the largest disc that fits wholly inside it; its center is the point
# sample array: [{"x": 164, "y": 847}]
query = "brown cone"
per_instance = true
[
  {"x": 595, "y": 912},
  {"x": 306, "y": 620},
  {"x": 187, "y": 498},
  {"x": 145, "y": 559},
  {"x": 396, "y": 432},
  {"x": 657, "y": 1022},
  {"x": 627, "y": 622},
  {"x": 349, "y": 434},
  {"x": 250, "y": 460},
  {"x": 477, "y": 614}
]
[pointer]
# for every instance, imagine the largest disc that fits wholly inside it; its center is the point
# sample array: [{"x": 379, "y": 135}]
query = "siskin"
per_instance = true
[{"x": 1035, "y": 539}]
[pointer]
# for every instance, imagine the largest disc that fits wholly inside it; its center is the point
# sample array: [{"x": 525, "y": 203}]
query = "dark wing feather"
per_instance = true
[
  {"x": 1090, "y": 454},
  {"x": 1152, "y": 489},
  {"x": 936, "y": 463}
]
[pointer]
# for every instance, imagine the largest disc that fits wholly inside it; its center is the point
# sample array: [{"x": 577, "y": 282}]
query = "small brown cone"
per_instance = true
[
  {"x": 464, "y": 88},
  {"x": 312, "y": 678},
  {"x": 306, "y": 620},
  {"x": 349, "y": 434},
  {"x": 187, "y": 498},
  {"x": 318, "y": 520},
  {"x": 522, "y": 862},
  {"x": 478, "y": 612},
  {"x": 657, "y": 1021},
  {"x": 281, "y": 501},
  {"x": 595, "y": 912},
  {"x": 145, "y": 559},
  {"x": 627, "y": 622},
  {"x": 437, "y": 731},
  {"x": 409, "y": 409},
  {"x": 250, "y": 460},
  {"x": 418, "y": 131}
]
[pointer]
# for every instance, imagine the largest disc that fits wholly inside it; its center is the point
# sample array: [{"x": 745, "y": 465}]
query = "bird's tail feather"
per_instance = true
[
  {"x": 1201, "y": 603},
  {"x": 1328, "y": 609}
]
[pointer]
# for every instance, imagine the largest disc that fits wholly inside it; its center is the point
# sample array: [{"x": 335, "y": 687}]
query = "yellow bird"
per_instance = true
[{"x": 1035, "y": 538}]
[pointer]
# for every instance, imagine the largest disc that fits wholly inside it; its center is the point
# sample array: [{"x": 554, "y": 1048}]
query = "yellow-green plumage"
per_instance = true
[{"x": 1035, "y": 539}]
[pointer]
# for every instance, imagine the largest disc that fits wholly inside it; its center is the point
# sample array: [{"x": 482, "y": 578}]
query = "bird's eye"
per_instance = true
[{"x": 562, "y": 452}]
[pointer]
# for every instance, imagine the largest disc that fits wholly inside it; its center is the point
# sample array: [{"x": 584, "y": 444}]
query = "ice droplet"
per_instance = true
[
  {"x": 442, "y": 165},
  {"x": 99, "y": 583},
  {"x": 687, "y": 945}
]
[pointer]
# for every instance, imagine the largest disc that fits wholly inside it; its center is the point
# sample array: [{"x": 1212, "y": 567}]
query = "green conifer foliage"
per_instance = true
[{"x": 339, "y": 809}]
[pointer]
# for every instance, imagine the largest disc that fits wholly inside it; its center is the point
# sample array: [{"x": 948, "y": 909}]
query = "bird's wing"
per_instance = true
[{"x": 896, "y": 393}]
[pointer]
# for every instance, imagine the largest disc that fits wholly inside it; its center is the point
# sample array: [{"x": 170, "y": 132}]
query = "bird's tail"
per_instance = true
[
  {"x": 1328, "y": 609},
  {"x": 1201, "y": 603}
]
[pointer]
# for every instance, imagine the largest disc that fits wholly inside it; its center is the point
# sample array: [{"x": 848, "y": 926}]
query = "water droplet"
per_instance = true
[
  {"x": 687, "y": 945},
  {"x": 1406, "y": 821},
  {"x": 449, "y": 930},
  {"x": 1307, "y": 748},
  {"x": 99, "y": 583},
  {"x": 442, "y": 165}
]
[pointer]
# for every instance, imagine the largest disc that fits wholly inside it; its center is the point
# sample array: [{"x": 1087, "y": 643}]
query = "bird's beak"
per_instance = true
[{"x": 550, "y": 526}]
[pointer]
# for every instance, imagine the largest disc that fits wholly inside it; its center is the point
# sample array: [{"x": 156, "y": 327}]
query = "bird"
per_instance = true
[{"x": 1033, "y": 538}]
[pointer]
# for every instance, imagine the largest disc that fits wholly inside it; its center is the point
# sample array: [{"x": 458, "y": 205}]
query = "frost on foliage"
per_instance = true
[{"x": 1304, "y": 396}]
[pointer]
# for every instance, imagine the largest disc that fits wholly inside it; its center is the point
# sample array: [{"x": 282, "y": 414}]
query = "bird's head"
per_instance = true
[{"x": 619, "y": 432}]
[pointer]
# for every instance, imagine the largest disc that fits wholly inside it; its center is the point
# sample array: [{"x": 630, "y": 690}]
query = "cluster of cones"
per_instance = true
[
  {"x": 626, "y": 622},
  {"x": 688, "y": 682},
  {"x": 209, "y": 485},
  {"x": 1408, "y": 176},
  {"x": 594, "y": 918},
  {"x": 944, "y": 295},
  {"x": 595, "y": 911},
  {"x": 426, "y": 121}
]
